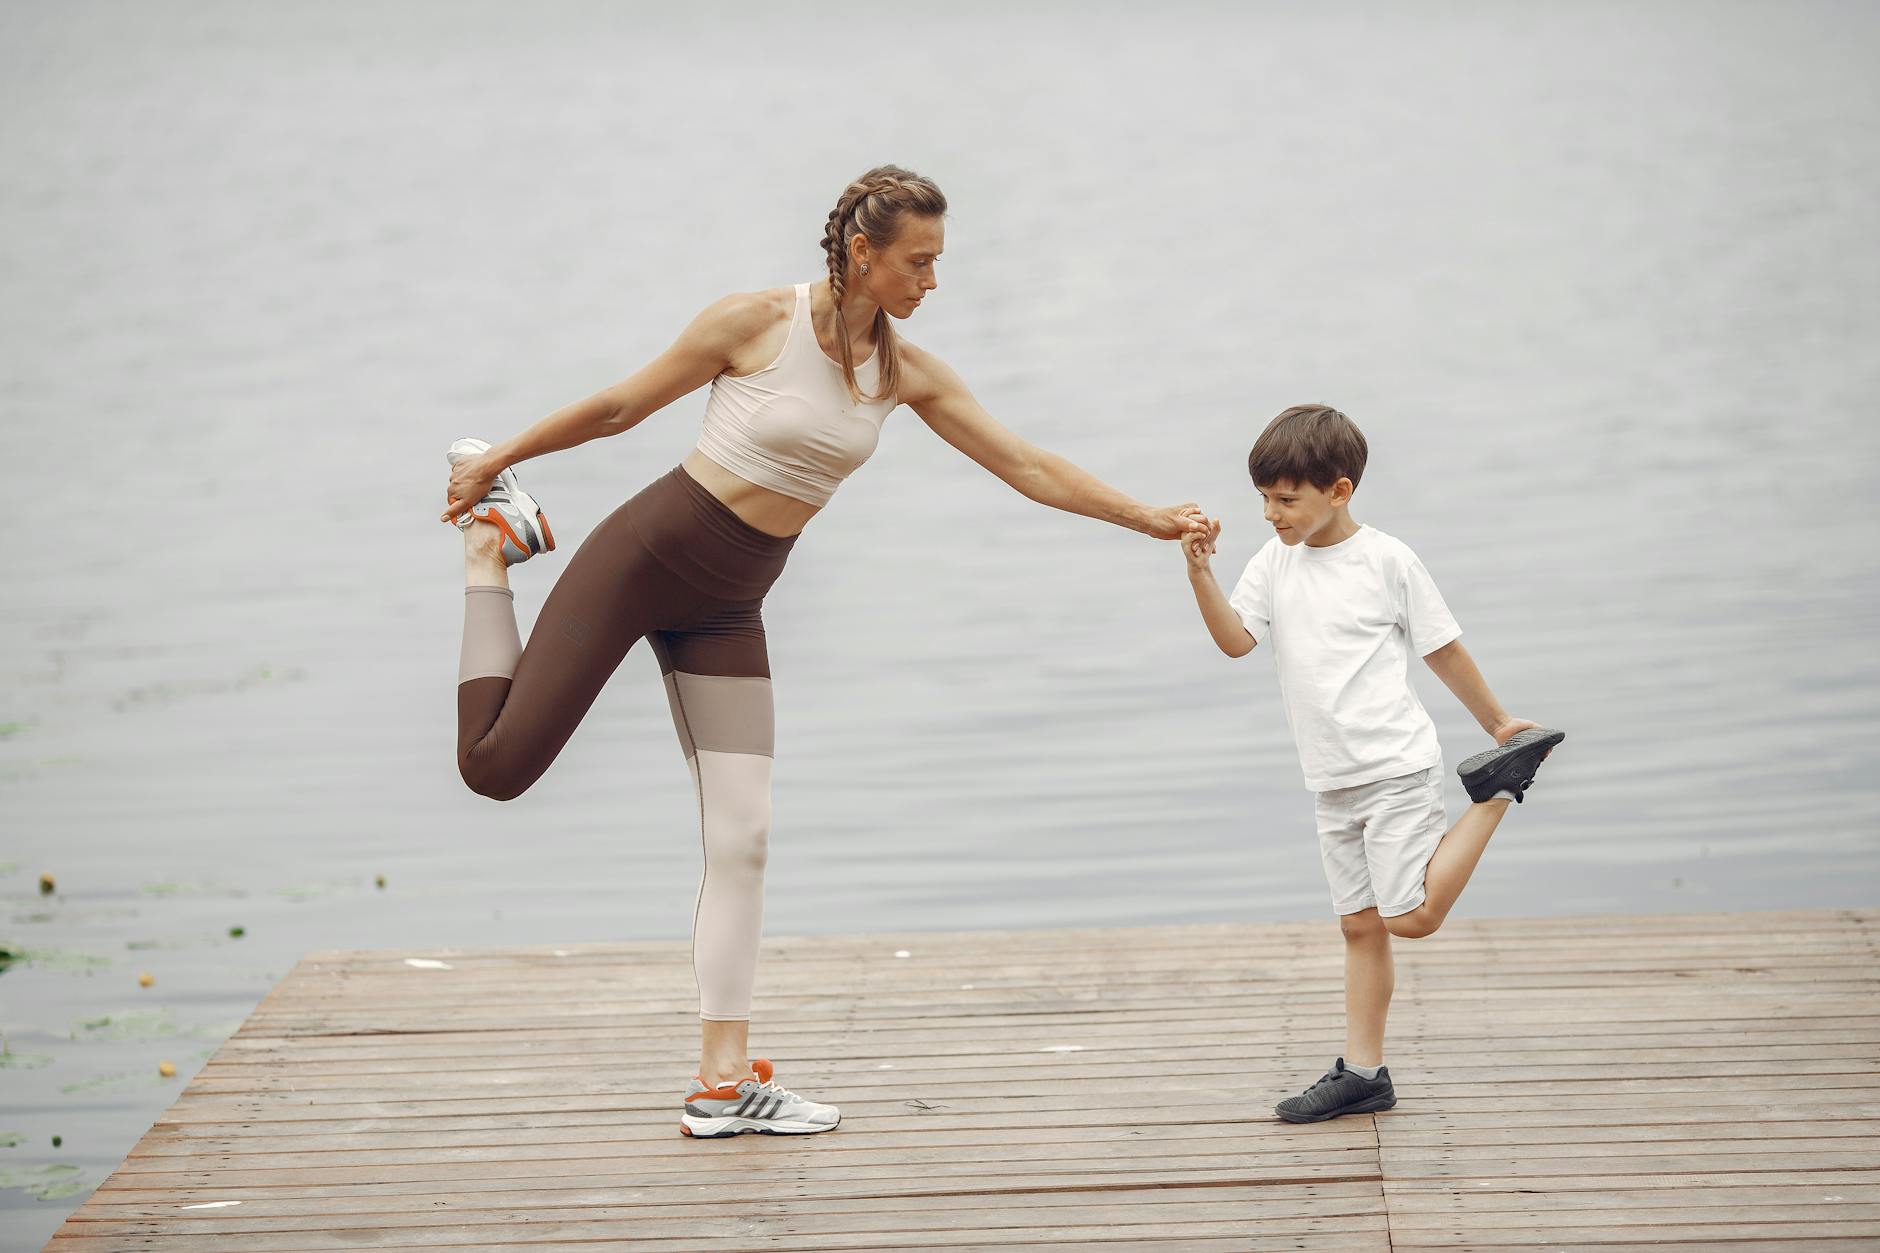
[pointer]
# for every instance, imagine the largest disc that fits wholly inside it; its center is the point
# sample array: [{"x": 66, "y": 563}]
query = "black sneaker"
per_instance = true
[
  {"x": 1509, "y": 767},
  {"x": 1341, "y": 1091}
]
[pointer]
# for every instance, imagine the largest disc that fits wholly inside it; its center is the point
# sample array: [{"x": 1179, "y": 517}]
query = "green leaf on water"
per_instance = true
[
  {"x": 9, "y": 1060},
  {"x": 191, "y": 889},
  {"x": 10, "y": 729},
  {"x": 114, "y": 1083},
  {"x": 172, "y": 942},
  {"x": 129, "y": 1025},
  {"x": 325, "y": 887},
  {"x": 11, "y": 1139},
  {"x": 217, "y": 1031},
  {"x": 71, "y": 1187},
  {"x": 51, "y": 959},
  {"x": 48, "y": 1183}
]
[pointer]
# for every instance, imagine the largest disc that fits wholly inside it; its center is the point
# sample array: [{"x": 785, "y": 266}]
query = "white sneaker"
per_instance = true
[
  {"x": 754, "y": 1104},
  {"x": 507, "y": 507}
]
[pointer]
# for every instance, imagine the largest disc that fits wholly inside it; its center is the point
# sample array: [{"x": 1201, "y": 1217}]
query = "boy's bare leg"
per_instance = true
[
  {"x": 1449, "y": 869},
  {"x": 1370, "y": 978}
]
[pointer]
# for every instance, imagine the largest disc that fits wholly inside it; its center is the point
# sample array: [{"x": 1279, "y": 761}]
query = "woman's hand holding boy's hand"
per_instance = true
[{"x": 1198, "y": 546}]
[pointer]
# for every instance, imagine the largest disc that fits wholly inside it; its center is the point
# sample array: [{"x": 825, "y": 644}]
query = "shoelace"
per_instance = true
[{"x": 774, "y": 1087}]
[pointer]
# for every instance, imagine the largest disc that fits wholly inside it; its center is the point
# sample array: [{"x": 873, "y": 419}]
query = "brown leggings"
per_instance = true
[{"x": 676, "y": 566}]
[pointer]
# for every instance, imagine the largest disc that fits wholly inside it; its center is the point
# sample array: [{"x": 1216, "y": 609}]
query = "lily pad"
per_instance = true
[
  {"x": 172, "y": 942},
  {"x": 129, "y": 1024},
  {"x": 57, "y": 959},
  {"x": 66, "y": 912},
  {"x": 217, "y": 1031},
  {"x": 18, "y": 772},
  {"x": 9, "y": 1060},
  {"x": 191, "y": 889},
  {"x": 114, "y": 1083},
  {"x": 311, "y": 891},
  {"x": 157, "y": 695},
  {"x": 48, "y": 1183}
]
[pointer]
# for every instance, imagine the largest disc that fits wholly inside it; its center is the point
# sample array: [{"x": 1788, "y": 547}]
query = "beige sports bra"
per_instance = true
[{"x": 792, "y": 426}]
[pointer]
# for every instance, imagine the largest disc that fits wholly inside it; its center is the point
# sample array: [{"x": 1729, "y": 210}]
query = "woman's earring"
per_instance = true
[{"x": 864, "y": 267}]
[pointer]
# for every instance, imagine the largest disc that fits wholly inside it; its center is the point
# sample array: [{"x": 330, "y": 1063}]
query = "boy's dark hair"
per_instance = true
[{"x": 1313, "y": 444}]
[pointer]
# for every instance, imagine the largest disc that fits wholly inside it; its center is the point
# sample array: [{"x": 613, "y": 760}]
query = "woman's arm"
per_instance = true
[
  {"x": 702, "y": 351},
  {"x": 931, "y": 389}
]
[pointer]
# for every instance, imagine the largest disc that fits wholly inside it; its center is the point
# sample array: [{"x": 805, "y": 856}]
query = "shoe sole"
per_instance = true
[
  {"x": 1372, "y": 1106},
  {"x": 1481, "y": 767},
  {"x": 721, "y": 1128}
]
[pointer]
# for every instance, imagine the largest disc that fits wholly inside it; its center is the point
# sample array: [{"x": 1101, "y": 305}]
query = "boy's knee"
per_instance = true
[
  {"x": 1411, "y": 926},
  {"x": 1363, "y": 925}
]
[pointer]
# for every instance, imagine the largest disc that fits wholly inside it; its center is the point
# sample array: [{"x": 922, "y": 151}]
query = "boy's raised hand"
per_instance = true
[
  {"x": 1509, "y": 727},
  {"x": 1198, "y": 546}
]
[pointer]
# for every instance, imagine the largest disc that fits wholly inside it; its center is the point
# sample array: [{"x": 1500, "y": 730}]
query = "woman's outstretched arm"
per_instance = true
[
  {"x": 931, "y": 389},
  {"x": 702, "y": 351}
]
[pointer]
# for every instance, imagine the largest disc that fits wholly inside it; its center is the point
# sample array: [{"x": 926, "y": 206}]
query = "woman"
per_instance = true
[{"x": 801, "y": 381}]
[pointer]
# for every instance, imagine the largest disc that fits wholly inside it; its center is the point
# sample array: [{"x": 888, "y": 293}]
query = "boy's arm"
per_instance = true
[
  {"x": 1459, "y": 674},
  {"x": 1223, "y": 623}
]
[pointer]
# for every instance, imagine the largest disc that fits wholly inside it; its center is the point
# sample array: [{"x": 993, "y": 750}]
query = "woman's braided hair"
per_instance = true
[{"x": 873, "y": 206}]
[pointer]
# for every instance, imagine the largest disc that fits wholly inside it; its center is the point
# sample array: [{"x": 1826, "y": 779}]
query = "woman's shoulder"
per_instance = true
[
  {"x": 731, "y": 325},
  {"x": 752, "y": 312},
  {"x": 922, "y": 373}
]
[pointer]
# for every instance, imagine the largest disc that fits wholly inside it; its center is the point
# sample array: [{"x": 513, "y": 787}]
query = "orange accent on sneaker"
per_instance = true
[
  {"x": 723, "y": 1093},
  {"x": 548, "y": 536},
  {"x": 502, "y": 524}
]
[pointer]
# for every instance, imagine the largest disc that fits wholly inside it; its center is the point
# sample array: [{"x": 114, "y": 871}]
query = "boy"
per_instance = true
[{"x": 1341, "y": 602}]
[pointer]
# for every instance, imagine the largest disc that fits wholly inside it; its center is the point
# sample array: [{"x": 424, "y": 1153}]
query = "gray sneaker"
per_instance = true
[
  {"x": 507, "y": 507},
  {"x": 1339, "y": 1091},
  {"x": 1508, "y": 767},
  {"x": 753, "y": 1104}
]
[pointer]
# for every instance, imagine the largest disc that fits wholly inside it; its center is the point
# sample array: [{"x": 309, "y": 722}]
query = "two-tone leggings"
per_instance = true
[{"x": 676, "y": 566}]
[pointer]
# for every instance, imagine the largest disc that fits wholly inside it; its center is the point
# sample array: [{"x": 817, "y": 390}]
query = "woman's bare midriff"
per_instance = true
[{"x": 773, "y": 513}]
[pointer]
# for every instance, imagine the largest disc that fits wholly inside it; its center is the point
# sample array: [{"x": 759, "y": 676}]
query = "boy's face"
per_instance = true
[{"x": 1301, "y": 513}]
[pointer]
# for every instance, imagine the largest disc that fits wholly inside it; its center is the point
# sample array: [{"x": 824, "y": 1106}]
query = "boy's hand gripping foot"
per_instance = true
[
  {"x": 507, "y": 507},
  {"x": 754, "y": 1104},
  {"x": 1509, "y": 767},
  {"x": 1339, "y": 1091}
]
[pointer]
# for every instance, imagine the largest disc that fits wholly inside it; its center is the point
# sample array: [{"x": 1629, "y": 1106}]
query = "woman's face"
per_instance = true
[{"x": 900, "y": 275}]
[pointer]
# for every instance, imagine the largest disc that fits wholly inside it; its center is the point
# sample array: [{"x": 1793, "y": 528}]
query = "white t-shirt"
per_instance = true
[{"x": 1341, "y": 621}]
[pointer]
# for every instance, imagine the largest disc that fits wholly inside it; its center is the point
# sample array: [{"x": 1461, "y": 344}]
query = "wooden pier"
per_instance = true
[{"x": 1564, "y": 1082}]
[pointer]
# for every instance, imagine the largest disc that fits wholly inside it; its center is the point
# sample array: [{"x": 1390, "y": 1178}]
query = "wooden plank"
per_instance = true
[
  {"x": 1555, "y": 1235},
  {"x": 1652, "y": 1079},
  {"x": 711, "y": 1228},
  {"x": 1559, "y": 1199}
]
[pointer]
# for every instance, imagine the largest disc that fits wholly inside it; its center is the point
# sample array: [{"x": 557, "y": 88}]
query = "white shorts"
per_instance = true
[{"x": 1377, "y": 838}]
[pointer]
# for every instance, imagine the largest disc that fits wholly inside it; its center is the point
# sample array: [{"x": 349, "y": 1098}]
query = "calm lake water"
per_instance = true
[{"x": 1598, "y": 281}]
